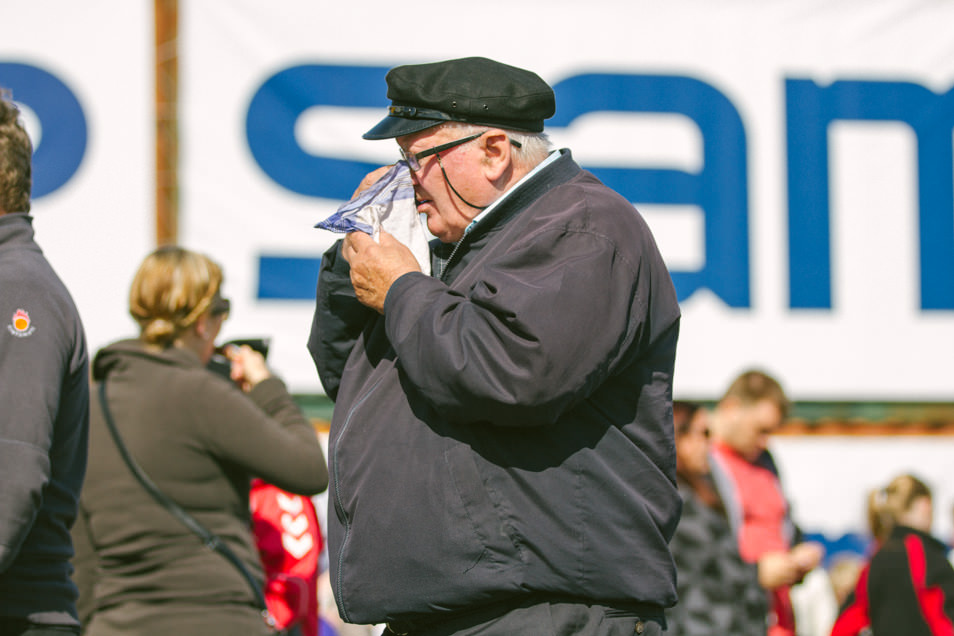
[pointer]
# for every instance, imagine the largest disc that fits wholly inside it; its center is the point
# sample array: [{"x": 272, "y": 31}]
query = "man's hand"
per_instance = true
[
  {"x": 370, "y": 179},
  {"x": 787, "y": 568},
  {"x": 807, "y": 556},
  {"x": 248, "y": 366},
  {"x": 777, "y": 569},
  {"x": 375, "y": 266}
]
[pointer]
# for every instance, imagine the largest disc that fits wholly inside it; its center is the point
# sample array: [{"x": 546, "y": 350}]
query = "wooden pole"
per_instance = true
[{"x": 167, "y": 123}]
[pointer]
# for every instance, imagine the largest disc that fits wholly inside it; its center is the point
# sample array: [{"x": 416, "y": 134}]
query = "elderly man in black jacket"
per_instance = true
[{"x": 501, "y": 449}]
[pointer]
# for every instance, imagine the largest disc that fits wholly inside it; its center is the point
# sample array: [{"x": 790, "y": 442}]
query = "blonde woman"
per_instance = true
[
  {"x": 908, "y": 587},
  {"x": 200, "y": 439}
]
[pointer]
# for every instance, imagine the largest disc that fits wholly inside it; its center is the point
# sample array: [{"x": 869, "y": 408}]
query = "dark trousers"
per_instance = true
[
  {"x": 21, "y": 627},
  {"x": 557, "y": 618}
]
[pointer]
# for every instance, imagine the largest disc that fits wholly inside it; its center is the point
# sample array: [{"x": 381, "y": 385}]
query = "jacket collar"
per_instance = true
[
  {"x": 515, "y": 201},
  {"x": 16, "y": 229}
]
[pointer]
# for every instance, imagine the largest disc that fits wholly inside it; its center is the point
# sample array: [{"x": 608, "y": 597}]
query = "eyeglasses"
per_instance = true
[{"x": 414, "y": 159}]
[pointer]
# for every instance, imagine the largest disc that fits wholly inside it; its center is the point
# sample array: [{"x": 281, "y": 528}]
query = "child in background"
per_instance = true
[
  {"x": 908, "y": 586},
  {"x": 289, "y": 541}
]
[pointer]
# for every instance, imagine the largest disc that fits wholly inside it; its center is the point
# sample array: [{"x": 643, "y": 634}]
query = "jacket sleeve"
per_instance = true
[
  {"x": 338, "y": 322},
  {"x": 264, "y": 432},
  {"x": 33, "y": 364},
  {"x": 932, "y": 579},
  {"x": 853, "y": 618},
  {"x": 546, "y": 325},
  {"x": 85, "y": 569},
  {"x": 900, "y": 602}
]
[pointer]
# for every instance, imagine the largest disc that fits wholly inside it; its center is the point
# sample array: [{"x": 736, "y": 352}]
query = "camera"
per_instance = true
[{"x": 222, "y": 366}]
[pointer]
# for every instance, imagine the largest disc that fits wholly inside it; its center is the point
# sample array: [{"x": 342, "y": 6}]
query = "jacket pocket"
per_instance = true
[{"x": 496, "y": 546}]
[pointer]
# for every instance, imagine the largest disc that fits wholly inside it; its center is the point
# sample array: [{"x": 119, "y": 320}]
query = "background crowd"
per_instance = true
[{"x": 743, "y": 565}]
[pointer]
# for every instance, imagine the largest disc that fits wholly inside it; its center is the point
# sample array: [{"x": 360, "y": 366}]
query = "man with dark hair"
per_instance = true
[
  {"x": 501, "y": 448},
  {"x": 753, "y": 407},
  {"x": 44, "y": 393}
]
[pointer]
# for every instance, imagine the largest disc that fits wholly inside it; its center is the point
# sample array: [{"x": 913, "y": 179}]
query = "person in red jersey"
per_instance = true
[{"x": 289, "y": 541}]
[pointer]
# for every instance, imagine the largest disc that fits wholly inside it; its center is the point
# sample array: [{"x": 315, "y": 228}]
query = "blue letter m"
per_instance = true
[{"x": 811, "y": 108}]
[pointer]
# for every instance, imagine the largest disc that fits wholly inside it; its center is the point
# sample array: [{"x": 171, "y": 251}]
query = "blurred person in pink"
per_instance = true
[{"x": 753, "y": 407}]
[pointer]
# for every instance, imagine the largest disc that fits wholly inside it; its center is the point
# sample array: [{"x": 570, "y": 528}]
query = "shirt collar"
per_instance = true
[{"x": 553, "y": 156}]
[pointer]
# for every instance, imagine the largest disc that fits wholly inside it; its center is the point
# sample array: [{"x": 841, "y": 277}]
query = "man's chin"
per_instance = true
[
  {"x": 445, "y": 235},
  {"x": 438, "y": 230}
]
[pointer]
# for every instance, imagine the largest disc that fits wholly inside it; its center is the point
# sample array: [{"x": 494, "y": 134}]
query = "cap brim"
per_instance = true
[{"x": 391, "y": 127}]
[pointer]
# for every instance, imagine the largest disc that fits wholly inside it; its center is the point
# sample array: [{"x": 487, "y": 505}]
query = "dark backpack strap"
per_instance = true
[{"x": 208, "y": 538}]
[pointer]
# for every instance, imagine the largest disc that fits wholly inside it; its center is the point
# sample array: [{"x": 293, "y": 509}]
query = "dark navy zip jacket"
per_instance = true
[{"x": 505, "y": 430}]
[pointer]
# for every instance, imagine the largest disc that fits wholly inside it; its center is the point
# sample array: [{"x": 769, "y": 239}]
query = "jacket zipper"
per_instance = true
[
  {"x": 339, "y": 507},
  {"x": 446, "y": 263}
]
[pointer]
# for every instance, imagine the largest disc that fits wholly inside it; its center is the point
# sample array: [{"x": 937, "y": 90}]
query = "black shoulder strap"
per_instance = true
[{"x": 211, "y": 540}]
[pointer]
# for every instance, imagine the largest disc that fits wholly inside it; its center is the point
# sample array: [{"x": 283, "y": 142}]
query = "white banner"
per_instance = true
[
  {"x": 782, "y": 151},
  {"x": 793, "y": 157}
]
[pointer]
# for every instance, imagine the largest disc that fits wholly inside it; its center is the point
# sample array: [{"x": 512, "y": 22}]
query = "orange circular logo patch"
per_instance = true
[
  {"x": 21, "y": 320},
  {"x": 20, "y": 325}
]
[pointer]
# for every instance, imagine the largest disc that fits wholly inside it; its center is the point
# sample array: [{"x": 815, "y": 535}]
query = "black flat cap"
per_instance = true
[{"x": 475, "y": 90}]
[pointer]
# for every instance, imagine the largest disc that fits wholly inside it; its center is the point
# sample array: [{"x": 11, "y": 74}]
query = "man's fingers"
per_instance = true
[
  {"x": 353, "y": 243},
  {"x": 386, "y": 239},
  {"x": 370, "y": 179},
  {"x": 346, "y": 250},
  {"x": 359, "y": 240}
]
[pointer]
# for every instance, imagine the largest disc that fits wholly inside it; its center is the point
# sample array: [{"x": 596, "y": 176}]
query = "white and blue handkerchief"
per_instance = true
[{"x": 388, "y": 204}]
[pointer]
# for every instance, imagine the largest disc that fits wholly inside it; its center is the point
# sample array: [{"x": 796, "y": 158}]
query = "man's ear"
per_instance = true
[{"x": 497, "y": 160}]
